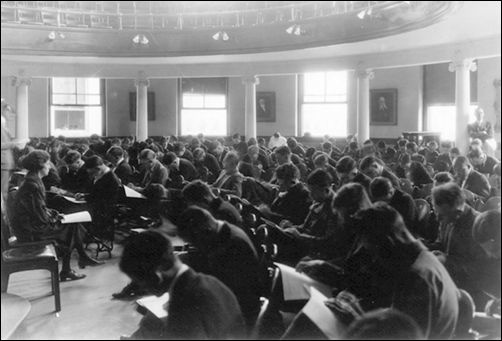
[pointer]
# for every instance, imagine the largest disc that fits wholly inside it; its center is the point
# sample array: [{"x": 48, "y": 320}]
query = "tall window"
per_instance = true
[
  {"x": 442, "y": 118},
  {"x": 203, "y": 106},
  {"x": 76, "y": 106},
  {"x": 324, "y": 103}
]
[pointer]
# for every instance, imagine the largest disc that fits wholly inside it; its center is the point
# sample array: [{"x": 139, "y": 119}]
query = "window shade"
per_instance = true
[
  {"x": 204, "y": 85},
  {"x": 439, "y": 85}
]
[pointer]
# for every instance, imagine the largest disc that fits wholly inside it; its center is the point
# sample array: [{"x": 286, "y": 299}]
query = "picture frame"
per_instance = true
[
  {"x": 383, "y": 107},
  {"x": 151, "y": 106},
  {"x": 265, "y": 106}
]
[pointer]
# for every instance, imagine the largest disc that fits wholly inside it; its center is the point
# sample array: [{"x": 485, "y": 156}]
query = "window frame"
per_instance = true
[
  {"x": 102, "y": 104},
  {"x": 427, "y": 113}
]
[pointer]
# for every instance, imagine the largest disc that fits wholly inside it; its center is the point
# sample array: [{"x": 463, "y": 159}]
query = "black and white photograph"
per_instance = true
[{"x": 251, "y": 170}]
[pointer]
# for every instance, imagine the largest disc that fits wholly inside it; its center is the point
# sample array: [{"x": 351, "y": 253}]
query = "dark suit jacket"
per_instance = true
[
  {"x": 487, "y": 166},
  {"x": 211, "y": 163},
  {"x": 76, "y": 182},
  {"x": 201, "y": 307},
  {"x": 404, "y": 204},
  {"x": 292, "y": 205},
  {"x": 478, "y": 184},
  {"x": 158, "y": 174},
  {"x": 223, "y": 210},
  {"x": 103, "y": 197},
  {"x": 232, "y": 183},
  {"x": 124, "y": 172}
]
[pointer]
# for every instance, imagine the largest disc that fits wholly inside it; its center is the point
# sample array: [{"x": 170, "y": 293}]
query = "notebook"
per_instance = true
[{"x": 154, "y": 304}]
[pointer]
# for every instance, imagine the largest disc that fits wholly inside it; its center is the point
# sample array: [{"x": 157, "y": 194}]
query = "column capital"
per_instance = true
[
  {"x": 364, "y": 73},
  {"x": 251, "y": 80},
  {"x": 21, "y": 80},
  {"x": 459, "y": 64},
  {"x": 142, "y": 82}
]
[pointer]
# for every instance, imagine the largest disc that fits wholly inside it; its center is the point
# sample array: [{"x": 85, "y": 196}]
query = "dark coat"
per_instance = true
[
  {"x": 158, "y": 174},
  {"x": 232, "y": 183},
  {"x": 223, "y": 210},
  {"x": 124, "y": 172},
  {"x": 102, "y": 200},
  {"x": 293, "y": 205},
  {"x": 404, "y": 204},
  {"x": 478, "y": 184}
]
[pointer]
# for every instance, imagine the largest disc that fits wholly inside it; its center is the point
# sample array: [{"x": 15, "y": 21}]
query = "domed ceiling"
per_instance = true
[{"x": 194, "y": 28}]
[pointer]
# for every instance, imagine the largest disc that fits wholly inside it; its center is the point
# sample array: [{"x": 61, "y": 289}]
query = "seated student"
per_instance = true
[
  {"x": 373, "y": 167},
  {"x": 321, "y": 161},
  {"x": 346, "y": 169},
  {"x": 495, "y": 181},
  {"x": 200, "y": 306},
  {"x": 293, "y": 201},
  {"x": 103, "y": 195},
  {"x": 181, "y": 151},
  {"x": 119, "y": 164},
  {"x": 469, "y": 179},
  {"x": 74, "y": 177},
  {"x": 152, "y": 172},
  {"x": 486, "y": 232},
  {"x": 384, "y": 324},
  {"x": 199, "y": 194},
  {"x": 206, "y": 163},
  {"x": 230, "y": 179},
  {"x": 179, "y": 167},
  {"x": 332, "y": 151},
  {"x": 420, "y": 285},
  {"x": 482, "y": 162},
  {"x": 295, "y": 147},
  {"x": 276, "y": 141},
  {"x": 381, "y": 189},
  {"x": 253, "y": 163},
  {"x": 227, "y": 253},
  {"x": 431, "y": 152},
  {"x": 31, "y": 220},
  {"x": 455, "y": 246},
  {"x": 420, "y": 179},
  {"x": 313, "y": 237},
  {"x": 411, "y": 148}
]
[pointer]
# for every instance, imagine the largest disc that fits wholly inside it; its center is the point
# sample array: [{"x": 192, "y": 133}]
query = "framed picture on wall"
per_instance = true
[
  {"x": 383, "y": 107},
  {"x": 151, "y": 106},
  {"x": 265, "y": 106}
]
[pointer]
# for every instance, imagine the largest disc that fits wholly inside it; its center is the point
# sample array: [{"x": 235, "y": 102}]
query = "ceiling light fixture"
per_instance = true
[
  {"x": 221, "y": 35},
  {"x": 368, "y": 11},
  {"x": 53, "y": 35},
  {"x": 296, "y": 30},
  {"x": 140, "y": 39}
]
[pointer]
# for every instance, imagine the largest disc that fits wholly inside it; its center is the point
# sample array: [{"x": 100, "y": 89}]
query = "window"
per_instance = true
[
  {"x": 204, "y": 106},
  {"x": 442, "y": 118},
  {"x": 324, "y": 104},
  {"x": 76, "y": 106}
]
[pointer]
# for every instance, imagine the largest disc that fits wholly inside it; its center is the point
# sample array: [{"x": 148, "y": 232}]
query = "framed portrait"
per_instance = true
[
  {"x": 151, "y": 106},
  {"x": 265, "y": 106},
  {"x": 383, "y": 107}
]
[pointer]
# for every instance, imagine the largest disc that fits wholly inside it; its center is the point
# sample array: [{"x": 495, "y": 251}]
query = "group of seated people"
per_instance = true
[{"x": 346, "y": 217}]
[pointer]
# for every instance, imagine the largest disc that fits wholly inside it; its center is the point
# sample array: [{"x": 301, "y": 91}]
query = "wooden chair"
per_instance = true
[{"x": 18, "y": 257}]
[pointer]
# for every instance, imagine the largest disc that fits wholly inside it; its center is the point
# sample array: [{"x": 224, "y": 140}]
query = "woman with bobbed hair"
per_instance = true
[{"x": 33, "y": 221}]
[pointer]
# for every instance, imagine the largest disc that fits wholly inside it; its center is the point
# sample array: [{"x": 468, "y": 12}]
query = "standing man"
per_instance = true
[
  {"x": 8, "y": 163},
  {"x": 482, "y": 130}
]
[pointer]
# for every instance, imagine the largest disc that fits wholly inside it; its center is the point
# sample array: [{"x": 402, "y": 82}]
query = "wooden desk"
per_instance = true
[{"x": 422, "y": 137}]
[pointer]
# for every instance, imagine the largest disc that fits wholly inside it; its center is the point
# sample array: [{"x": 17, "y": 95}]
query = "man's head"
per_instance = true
[
  {"x": 73, "y": 160},
  {"x": 230, "y": 162},
  {"x": 346, "y": 169},
  {"x": 349, "y": 199},
  {"x": 287, "y": 175},
  {"x": 486, "y": 232},
  {"x": 321, "y": 161},
  {"x": 148, "y": 259},
  {"x": 253, "y": 152},
  {"x": 327, "y": 147},
  {"x": 461, "y": 168},
  {"x": 197, "y": 193},
  {"x": 411, "y": 148},
  {"x": 198, "y": 227},
  {"x": 479, "y": 113},
  {"x": 170, "y": 159},
  {"x": 477, "y": 157},
  {"x": 146, "y": 157},
  {"x": 199, "y": 155},
  {"x": 292, "y": 143},
  {"x": 94, "y": 165},
  {"x": 319, "y": 183},
  {"x": 381, "y": 189},
  {"x": 282, "y": 155},
  {"x": 115, "y": 154},
  {"x": 448, "y": 201},
  {"x": 371, "y": 166},
  {"x": 442, "y": 178},
  {"x": 179, "y": 148}
]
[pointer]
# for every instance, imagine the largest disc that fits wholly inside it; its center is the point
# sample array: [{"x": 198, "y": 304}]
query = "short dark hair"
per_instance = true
[
  {"x": 287, "y": 172},
  {"x": 327, "y": 145},
  {"x": 71, "y": 156},
  {"x": 319, "y": 178},
  {"x": 381, "y": 144},
  {"x": 462, "y": 160},
  {"x": 145, "y": 252},
  {"x": 147, "y": 154},
  {"x": 443, "y": 177},
  {"x": 196, "y": 191},
  {"x": 475, "y": 153},
  {"x": 345, "y": 164},
  {"x": 380, "y": 187},
  {"x": 412, "y": 145},
  {"x": 283, "y": 151},
  {"x": 351, "y": 196},
  {"x": 35, "y": 160},
  {"x": 487, "y": 227},
  {"x": 455, "y": 150},
  {"x": 402, "y": 143},
  {"x": 169, "y": 158},
  {"x": 178, "y": 146},
  {"x": 448, "y": 194},
  {"x": 116, "y": 152},
  {"x": 368, "y": 160},
  {"x": 93, "y": 162},
  {"x": 155, "y": 192},
  {"x": 193, "y": 223}
]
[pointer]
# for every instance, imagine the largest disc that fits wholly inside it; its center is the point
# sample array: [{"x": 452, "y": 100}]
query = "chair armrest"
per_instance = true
[{"x": 38, "y": 243}]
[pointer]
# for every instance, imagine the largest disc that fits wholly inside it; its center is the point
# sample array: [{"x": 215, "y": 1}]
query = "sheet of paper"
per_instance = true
[
  {"x": 73, "y": 200},
  {"x": 296, "y": 286},
  {"x": 21, "y": 172},
  {"x": 322, "y": 316},
  {"x": 78, "y": 217},
  {"x": 156, "y": 305},
  {"x": 130, "y": 193}
]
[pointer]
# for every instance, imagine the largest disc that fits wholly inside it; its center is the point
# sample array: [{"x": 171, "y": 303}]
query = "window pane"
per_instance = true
[
  {"x": 88, "y": 99},
  {"x": 63, "y": 85},
  {"x": 88, "y": 86},
  {"x": 207, "y": 122},
  {"x": 336, "y": 84},
  {"x": 441, "y": 118},
  {"x": 76, "y": 121},
  {"x": 214, "y": 101},
  {"x": 336, "y": 98},
  {"x": 313, "y": 99},
  {"x": 314, "y": 84},
  {"x": 64, "y": 99},
  {"x": 321, "y": 119},
  {"x": 193, "y": 100}
]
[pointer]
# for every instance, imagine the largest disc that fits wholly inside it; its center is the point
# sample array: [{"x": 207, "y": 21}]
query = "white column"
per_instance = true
[
  {"x": 22, "y": 128},
  {"x": 462, "y": 67},
  {"x": 142, "y": 84},
  {"x": 250, "y": 83},
  {"x": 363, "y": 104}
]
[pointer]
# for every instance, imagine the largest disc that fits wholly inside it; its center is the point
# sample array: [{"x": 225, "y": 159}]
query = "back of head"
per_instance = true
[
  {"x": 487, "y": 227},
  {"x": 277, "y": 134},
  {"x": 144, "y": 253},
  {"x": 169, "y": 158},
  {"x": 194, "y": 225},
  {"x": 327, "y": 145},
  {"x": 384, "y": 324},
  {"x": 418, "y": 174},
  {"x": 93, "y": 162},
  {"x": 320, "y": 178},
  {"x": 292, "y": 142},
  {"x": 147, "y": 154},
  {"x": 380, "y": 187},
  {"x": 283, "y": 151},
  {"x": 321, "y": 160},
  {"x": 196, "y": 191},
  {"x": 367, "y": 161},
  {"x": 352, "y": 197},
  {"x": 115, "y": 152},
  {"x": 443, "y": 178},
  {"x": 71, "y": 157},
  {"x": 449, "y": 194},
  {"x": 155, "y": 192},
  {"x": 345, "y": 164},
  {"x": 35, "y": 160},
  {"x": 287, "y": 172}
]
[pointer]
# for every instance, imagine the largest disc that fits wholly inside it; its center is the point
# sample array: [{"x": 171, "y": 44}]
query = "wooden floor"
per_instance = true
[{"x": 88, "y": 312}]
